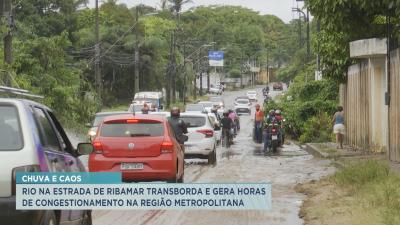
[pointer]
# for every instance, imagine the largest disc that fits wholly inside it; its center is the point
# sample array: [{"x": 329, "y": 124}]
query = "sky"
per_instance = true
[{"x": 280, "y": 8}]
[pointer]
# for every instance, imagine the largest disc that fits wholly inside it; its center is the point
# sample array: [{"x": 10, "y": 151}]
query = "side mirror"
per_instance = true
[
  {"x": 88, "y": 125},
  {"x": 85, "y": 148}
]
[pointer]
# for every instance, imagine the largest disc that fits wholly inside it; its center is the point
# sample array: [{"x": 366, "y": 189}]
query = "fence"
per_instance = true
[{"x": 394, "y": 109}]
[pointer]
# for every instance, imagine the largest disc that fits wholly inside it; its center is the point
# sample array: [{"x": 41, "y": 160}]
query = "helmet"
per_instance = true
[
  {"x": 278, "y": 112},
  {"x": 230, "y": 111},
  {"x": 257, "y": 106},
  {"x": 225, "y": 113},
  {"x": 271, "y": 112},
  {"x": 175, "y": 112}
]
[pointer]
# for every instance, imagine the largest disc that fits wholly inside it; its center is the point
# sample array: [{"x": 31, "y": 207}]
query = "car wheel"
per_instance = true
[
  {"x": 49, "y": 218},
  {"x": 181, "y": 179},
  {"x": 87, "y": 220},
  {"x": 212, "y": 157}
]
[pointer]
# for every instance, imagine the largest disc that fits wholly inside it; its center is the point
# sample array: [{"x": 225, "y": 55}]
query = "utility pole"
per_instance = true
[
  {"x": 137, "y": 58},
  {"x": 7, "y": 12},
  {"x": 308, "y": 36},
  {"x": 97, "y": 72}
]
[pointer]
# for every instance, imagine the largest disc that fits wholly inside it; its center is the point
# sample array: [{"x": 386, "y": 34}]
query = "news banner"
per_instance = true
[{"x": 106, "y": 191}]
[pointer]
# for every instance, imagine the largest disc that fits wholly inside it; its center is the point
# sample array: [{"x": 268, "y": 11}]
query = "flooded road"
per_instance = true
[{"x": 243, "y": 162}]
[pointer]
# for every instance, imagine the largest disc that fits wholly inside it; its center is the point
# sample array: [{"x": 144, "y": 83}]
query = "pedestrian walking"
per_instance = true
[{"x": 338, "y": 126}]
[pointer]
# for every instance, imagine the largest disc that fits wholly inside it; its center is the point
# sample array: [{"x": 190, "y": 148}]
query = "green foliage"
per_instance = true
[
  {"x": 317, "y": 129},
  {"x": 234, "y": 73}
]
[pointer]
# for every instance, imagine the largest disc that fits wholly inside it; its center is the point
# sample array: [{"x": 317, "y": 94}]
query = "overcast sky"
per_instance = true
[{"x": 280, "y": 8}]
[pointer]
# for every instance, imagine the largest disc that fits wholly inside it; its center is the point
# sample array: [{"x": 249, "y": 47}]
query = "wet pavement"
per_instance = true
[{"x": 242, "y": 162}]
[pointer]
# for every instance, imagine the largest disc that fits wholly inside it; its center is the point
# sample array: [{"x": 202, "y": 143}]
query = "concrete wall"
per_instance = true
[
  {"x": 363, "y": 97},
  {"x": 394, "y": 109}
]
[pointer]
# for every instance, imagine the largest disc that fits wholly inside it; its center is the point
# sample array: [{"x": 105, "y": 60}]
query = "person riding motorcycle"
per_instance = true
[
  {"x": 270, "y": 118},
  {"x": 232, "y": 116},
  {"x": 178, "y": 126},
  {"x": 227, "y": 125}
]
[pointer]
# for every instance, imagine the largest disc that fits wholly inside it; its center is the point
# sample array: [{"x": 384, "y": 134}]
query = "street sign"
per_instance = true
[{"x": 216, "y": 58}]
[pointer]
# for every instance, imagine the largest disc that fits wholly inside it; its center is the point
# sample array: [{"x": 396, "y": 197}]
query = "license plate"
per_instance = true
[
  {"x": 131, "y": 166},
  {"x": 274, "y": 137}
]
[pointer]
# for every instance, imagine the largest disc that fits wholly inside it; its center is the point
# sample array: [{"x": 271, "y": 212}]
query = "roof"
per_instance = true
[
  {"x": 148, "y": 94},
  {"x": 25, "y": 102}
]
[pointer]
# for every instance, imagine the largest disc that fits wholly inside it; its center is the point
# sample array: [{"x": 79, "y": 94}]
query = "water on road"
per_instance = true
[{"x": 243, "y": 162}]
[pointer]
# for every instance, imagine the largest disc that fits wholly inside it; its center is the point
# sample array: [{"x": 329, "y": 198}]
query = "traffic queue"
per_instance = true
[{"x": 146, "y": 143}]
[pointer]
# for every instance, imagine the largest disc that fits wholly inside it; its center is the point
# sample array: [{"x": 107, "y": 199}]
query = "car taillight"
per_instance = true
[
  {"x": 208, "y": 133},
  {"x": 167, "y": 147},
  {"x": 273, "y": 130},
  {"x": 29, "y": 168},
  {"x": 98, "y": 147}
]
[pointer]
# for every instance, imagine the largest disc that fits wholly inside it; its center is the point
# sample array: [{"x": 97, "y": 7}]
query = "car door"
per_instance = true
[
  {"x": 72, "y": 163},
  {"x": 54, "y": 153}
]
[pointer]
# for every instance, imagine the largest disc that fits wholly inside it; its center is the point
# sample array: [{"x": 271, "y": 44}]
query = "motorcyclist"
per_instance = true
[
  {"x": 270, "y": 118},
  {"x": 145, "y": 109},
  {"x": 226, "y": 124},
  {"x": 232, "y": 116},
  {"x": 179, "y": 127}
]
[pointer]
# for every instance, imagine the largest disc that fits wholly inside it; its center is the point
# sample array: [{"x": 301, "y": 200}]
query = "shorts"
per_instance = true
[{"x": 339, "y": 129}]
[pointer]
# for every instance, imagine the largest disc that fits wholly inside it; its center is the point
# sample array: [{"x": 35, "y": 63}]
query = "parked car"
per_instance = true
[
  {"x": 141, "y": 147},
  {"x": 195, "y": 108},
  {"x": 202, "y": 142},
  {"x": 242, "y": 106},
  {"x": 277, "y": 86},
  {"x": 252, "y": 95},
  {"x": 207, "y": 105},
  {"x": 33, "y": 140},
  {"x": 98, "y": 118}
]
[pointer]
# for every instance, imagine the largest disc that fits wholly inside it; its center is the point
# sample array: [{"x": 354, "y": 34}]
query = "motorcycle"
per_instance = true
[{"x": 274, "y": 139}]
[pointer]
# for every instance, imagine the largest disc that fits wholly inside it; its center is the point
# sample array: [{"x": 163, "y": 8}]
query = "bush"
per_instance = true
[{"x": 317, "y": 129}]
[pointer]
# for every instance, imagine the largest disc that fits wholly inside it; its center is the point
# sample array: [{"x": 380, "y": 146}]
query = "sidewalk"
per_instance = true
[{"x": 343, "y": 157}]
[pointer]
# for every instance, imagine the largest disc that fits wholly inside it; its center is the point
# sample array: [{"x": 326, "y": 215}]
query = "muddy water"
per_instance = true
[{"x": 243, "y": 162}]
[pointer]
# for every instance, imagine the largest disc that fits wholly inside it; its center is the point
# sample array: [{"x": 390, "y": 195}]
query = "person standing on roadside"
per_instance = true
[
  {"x": 259, "y": 119},
  {"x": 338, "y": 126}
]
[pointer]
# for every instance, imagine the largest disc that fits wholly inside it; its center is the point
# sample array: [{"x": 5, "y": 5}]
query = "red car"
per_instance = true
[
  {"x": 142, "y": 147},
  {"x": 278, "y": 86}
]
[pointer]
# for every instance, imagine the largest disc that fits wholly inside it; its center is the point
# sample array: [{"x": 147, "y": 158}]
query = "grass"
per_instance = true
[{"x": 366, "y": 192}]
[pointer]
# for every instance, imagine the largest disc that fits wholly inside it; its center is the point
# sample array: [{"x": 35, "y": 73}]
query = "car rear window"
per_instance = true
[
  {"x": 216, "y": 99},
  {"x": 207, "y": 104},
  {"x": 243, "y": 101},
  {"x": 10, "y": 129},
  {"x": 194, "y": 108},
  {"x": 122, "y": 129},
  {"x": 194, "y": 121}
]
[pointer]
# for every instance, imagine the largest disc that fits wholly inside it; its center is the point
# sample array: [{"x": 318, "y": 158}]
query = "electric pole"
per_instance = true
[
  {"x": 97, "y": 72},
  {"x": 7, "y": 12},
  {"x": 137, "y": 58}
]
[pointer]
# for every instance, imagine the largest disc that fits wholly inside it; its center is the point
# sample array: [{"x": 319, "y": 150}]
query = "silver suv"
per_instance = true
[{"x": 33, "y": 140}]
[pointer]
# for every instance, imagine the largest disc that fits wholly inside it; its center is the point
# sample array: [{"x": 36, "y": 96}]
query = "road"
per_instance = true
[{"x": 243, "y": 162}]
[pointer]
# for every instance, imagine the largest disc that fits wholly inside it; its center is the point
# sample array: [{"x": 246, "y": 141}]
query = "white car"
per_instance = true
[
  {"x": 252, "y": 95},
  {"x": 217, "y": 100},
  {"x": 207, "y": 105},
  {"x": 243, "y": 106},
  {"x": 202, "y": 141},
  {"x": 33, "y": 140},
  {"x": 215, "y": 90}
]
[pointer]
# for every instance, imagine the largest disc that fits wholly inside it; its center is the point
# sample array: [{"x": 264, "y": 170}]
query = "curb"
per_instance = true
[{"x": 311, "y": 149}]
